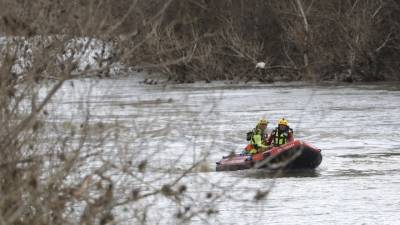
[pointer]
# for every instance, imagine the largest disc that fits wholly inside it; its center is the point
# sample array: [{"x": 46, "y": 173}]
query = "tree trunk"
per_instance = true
[{"x": 308, "y": 67}]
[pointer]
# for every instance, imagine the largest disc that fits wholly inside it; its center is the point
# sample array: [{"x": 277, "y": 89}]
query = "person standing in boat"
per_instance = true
[
  {"x": 257, "y": 138},
  {"x": 282, "y": 134}
]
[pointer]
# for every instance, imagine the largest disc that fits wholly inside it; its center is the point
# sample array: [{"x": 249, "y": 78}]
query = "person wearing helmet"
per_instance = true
[
  {"x": 281, "y": 134},
  {"x": 257, "y": 138}
]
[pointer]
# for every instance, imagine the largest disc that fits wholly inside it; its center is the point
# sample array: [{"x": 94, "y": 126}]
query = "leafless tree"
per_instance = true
[{"x": 61, "y": 173}]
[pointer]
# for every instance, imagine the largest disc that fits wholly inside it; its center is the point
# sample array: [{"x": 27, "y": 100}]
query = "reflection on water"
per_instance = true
[
  {"x": 263, "y": 173},
  {"x": 357, "y": 173},
  {"x": 372, "y": 155}
]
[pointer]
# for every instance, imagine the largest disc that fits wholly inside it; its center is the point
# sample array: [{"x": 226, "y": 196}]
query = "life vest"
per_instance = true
[
  {"x": 252, "y": 147},
  {"x": 254, "y": 136},
  {"x": 281, "y": 137}
]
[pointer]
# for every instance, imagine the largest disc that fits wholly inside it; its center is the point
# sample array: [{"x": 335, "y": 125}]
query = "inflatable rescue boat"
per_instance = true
[{"x": 294, "y": 155}]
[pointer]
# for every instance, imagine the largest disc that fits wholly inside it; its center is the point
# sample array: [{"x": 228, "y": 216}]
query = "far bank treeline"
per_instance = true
[{"x": 188, "y": 40}]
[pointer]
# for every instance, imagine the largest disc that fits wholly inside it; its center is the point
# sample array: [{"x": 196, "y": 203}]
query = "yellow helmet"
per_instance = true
[
  {"x": 283, "y": 121},
  {"x": 262, "y": 122}
]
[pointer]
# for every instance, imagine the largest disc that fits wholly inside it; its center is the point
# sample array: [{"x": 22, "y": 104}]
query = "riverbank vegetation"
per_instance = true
[{"x": 341, "y": 40}]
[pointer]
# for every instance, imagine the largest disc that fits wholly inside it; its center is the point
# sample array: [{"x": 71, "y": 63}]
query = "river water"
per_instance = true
[{"x": 356, "y": 126}]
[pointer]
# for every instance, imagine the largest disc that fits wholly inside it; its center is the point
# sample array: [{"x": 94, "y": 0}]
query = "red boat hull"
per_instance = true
[{"x": 293, "y": 155}]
